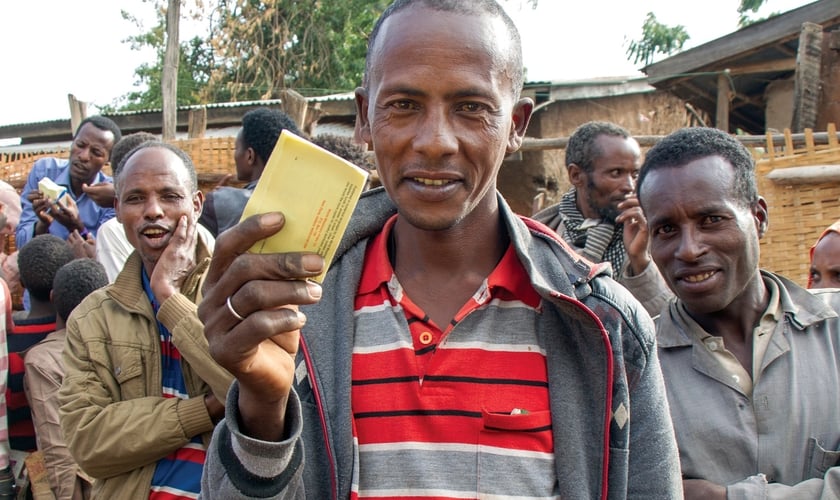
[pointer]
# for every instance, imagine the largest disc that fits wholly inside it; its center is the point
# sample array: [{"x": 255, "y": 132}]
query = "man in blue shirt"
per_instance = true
[{"x": 79, "y": 210}]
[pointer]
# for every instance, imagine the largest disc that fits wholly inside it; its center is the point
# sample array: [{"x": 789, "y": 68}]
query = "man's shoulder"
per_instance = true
[
  {"x": 90, "y": 306},
  {"x": 552, "y": 216},
  {"x": 110, "y": 226},
  {"x": 230, "y": 191},
  {"x": 47, "y": 350},
  {"x": 48, "y": 166}
]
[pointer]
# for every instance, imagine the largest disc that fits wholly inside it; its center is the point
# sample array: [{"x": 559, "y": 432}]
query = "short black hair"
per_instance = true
[
  {"x": 180, "y": 153},
  {"x": 689, "y": 144},
  {"x": 261, "y": 128},
  {"x": 345, "y": 148},
  {"x": 582, "y": 149},
  {"x": 459, "y": 7},
  {"x": 126, "y": 144},
  {"x": 38, "y": 260},
  {"x": 75, "y": 281},
  {"x": 102, "y": 123}
]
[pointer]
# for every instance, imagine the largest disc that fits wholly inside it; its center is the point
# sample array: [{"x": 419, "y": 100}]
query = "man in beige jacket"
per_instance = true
[{"x": 142, "y": 393}]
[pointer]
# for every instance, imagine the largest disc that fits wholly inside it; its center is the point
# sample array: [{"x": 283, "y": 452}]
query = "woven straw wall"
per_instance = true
[
  {"x": 213, "y": 159},
  {"x": 798, "y": 212}
]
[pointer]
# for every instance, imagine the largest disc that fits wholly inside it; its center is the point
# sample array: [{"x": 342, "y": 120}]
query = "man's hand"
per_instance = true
[
  {"x": 41, "y": 206},
  {"x": 636, "y": 236},
  {"x": 700, "y": 489},
  {"x": 264, "y": 289},
  {"x": 223, "y": 181},
  {"x": 82, "y": 247},
  {"x": 102, "y": 193},
  {"x": 66, "y": 213},
  {"x": 175, "y": 262},
  {"x": 215, "y": 408}
]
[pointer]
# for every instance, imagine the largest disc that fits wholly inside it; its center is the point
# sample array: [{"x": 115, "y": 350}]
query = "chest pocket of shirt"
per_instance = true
[
  {"x": 516, "y": 455},
  {"x": 820, "y": 460},
  {"x": 128, "y": 372}
]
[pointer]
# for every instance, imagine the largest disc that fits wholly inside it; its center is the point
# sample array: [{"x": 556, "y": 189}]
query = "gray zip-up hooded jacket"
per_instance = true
[{"x": 612, "y": 430}]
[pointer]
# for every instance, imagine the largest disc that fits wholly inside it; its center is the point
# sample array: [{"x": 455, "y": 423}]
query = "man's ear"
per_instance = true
[
  {"x": 522, "y": 112},
  {"x": 577, "y": 177},
  {"x": 761, "y": 216},
  {"x": 198, "y": 203},
  {"x": 361, "y": 132},
  {"x": 117, "y": 209}
]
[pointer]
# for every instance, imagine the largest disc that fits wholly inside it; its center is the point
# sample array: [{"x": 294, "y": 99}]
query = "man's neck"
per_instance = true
[
  {"x": 585, "y": 210},
  {"x": 440, "y": 270},
  {"x": 39, "y": 309},
  {"x": 76, "y": 186},
  {"x": 740, "y": 317}
]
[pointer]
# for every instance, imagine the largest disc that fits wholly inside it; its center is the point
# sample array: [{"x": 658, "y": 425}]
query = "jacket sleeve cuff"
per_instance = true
[
  {"x": 174, "y": 309},
  {"x": 263, "y": 459},
  {"x": 193, "y": 415},
  {"x": 648, "y": 287}
]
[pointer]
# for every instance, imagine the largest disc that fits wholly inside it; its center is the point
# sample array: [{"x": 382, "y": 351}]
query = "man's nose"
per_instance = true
[
  {"x": 691, "y": 245},
  {"x": 84, "y": 154},
  {"x": 435, "y": 137},
  {"x": 628, "y": 184},
  {"x": 152, "y": 208}
]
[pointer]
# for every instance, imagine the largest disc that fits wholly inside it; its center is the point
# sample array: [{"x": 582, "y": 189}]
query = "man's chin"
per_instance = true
[{"x": 609, "y": 214}]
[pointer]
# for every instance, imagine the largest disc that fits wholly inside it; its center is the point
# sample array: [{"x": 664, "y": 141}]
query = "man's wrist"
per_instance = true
[
  {"x": 41, "y": 227},
  {"x": 639, "y": 265}
]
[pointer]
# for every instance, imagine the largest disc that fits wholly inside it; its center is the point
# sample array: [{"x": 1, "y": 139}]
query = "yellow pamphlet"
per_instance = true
[{"x": 314, "y": 189}]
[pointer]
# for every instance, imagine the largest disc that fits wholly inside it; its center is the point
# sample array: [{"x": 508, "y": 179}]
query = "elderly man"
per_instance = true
[
  {"x": 454, "y": 350},
  {"x": 141, "y": 393},
  {"x": 751, "y": 360},
  {"x": 600, "y": 215}
]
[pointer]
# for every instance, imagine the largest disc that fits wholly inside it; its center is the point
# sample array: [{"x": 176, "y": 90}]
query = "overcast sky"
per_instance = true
[{"x": 50, "y": 48}]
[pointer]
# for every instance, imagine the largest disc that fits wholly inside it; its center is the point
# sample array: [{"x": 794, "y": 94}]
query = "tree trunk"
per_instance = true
[{"x": 169, "y": 78}]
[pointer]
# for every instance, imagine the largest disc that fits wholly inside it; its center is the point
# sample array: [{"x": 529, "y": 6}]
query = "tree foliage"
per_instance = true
[
  {"x": 254, "y": 49},
  {"x": 658, "y": 38},
  {"x": 194, "y": 68},
  {"x": 315, "y": 47}
]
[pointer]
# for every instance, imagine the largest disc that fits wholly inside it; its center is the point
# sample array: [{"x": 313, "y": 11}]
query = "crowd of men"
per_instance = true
[{"x": 623, "y": 343}]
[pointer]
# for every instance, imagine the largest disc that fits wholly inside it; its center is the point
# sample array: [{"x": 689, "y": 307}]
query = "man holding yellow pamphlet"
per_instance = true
[{"x": 453, "y": 349}]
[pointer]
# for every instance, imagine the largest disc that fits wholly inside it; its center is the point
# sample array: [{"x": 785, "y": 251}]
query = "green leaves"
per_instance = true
[{"x": 657, "y": 38}]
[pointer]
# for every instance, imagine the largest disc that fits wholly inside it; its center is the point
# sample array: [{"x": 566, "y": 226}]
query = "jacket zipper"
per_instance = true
[{"x": 316, "y": 392}]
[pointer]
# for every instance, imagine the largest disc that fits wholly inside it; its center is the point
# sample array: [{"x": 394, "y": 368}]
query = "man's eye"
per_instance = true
[
  {"x": 403, "y": 105},
  {"x": 471, "y": 107},
  {"x": 663, "y": 230}
]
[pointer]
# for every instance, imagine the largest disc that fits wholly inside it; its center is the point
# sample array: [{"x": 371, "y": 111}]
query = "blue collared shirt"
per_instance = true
[{"x": 91, "y": 214}]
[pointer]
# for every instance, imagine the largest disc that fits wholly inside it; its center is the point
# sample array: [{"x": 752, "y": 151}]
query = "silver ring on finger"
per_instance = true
[{"x": 233, "y": 311}]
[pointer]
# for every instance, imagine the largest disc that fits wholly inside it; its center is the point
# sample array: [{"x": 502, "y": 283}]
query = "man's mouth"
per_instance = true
[
  {"x": 432, "y": 182},
  {"x": 698, "y": 278},
  {"x": 154, "y": 233}
]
